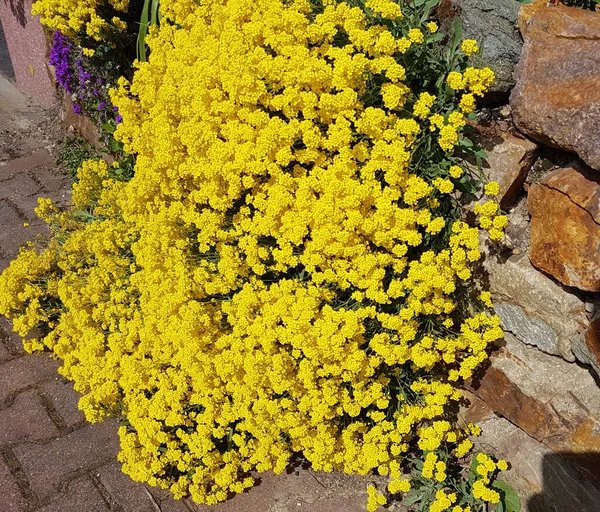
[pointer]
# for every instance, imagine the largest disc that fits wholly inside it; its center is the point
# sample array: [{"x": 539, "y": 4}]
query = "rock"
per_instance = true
[
  {"x": 534, "y": 308},
  {"x": 493, "y": 22},
  {"x": 565, "y": 226},
  {"x": 555, "y": 402},
  {"x": 544, "y": 480},
  {"x": 557, "y": 97},
  {"x": 509, "y": 161},
  {"x": 526, "y": 12},
  {"x": 587, "y": 347}
]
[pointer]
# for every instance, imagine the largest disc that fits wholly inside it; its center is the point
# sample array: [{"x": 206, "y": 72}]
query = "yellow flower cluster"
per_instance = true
[
  {"x": 265, "y": 284},
  {"x": 485, "y": 469},
  {"x": 74, "y": 16}
]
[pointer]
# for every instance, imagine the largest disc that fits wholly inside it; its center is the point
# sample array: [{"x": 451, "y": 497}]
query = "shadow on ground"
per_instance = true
[{"x": 562, "y": 493}]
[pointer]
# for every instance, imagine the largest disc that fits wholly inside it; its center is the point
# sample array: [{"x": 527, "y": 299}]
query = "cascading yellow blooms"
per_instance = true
[
  {"x": 266, "y": 284},
  {"x": 72, "y": 17}
]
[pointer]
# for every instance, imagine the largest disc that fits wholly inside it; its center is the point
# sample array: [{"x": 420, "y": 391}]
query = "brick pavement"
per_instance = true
[{"x": 51, "y": 460}]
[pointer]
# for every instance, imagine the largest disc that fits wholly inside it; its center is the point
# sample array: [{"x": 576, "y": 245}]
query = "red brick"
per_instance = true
[
  {"x": 56, "y": 184},
  {"x": 11, "y": 499},
  {"x": 49, "y": 465},
  {"x": 18, "y": 185},
  {"x": 130, "y": 495},
  {"x": 80, "y": 496},
  {"x": 38, "y": 158},
  {"x": 64, "y": 398},
  {"x": 25, "y": 371},
  {"x": 25, "y": 420},
  {"x": 4, "y": 353},
  {"x": 9, "y": 339}
]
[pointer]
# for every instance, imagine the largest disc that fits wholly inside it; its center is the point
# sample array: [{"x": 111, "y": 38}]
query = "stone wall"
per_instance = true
[{"x": 543, "y": 143}]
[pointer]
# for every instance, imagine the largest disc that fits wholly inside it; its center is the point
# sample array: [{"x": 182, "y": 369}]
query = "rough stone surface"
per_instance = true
[
  {"x": 555, "y": 402},
  {"x": 509, "y": 160},
  {"x": 557, "y": 99},
  {"x": 545, "y": 481},
  {"x": 587, "y": 347},
  {"x": 533, "y": 307},
  {"x": 565, "y": 226},
  {"x": 526, "y": 12},
  {"x": 495, "y": 23}
]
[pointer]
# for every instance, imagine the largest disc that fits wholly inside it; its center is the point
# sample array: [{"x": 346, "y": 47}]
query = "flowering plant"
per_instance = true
[{"x": 288, "y": 270}]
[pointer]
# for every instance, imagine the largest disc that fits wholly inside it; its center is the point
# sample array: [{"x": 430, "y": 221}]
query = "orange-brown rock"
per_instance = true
[
  {"x": 526, "y": 12},
  {"x": 565, "y": 227},
  {"x": 557, "y": 97}
]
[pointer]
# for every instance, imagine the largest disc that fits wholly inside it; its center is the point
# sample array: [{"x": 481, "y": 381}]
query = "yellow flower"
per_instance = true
[
  {"x": 492, "y": 188},
  {"x": 469, "y": 46},
  {"x": 455, "y": 171},
  {"x": 88, "y": 52},
  {"x": 416, "y": 36},
  {"x": 432, "y": 26},
  {"x": 455, "y": 80}
]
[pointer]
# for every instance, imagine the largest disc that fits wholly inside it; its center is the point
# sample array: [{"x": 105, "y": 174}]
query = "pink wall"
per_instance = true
[{"x": 28, "y": 49}]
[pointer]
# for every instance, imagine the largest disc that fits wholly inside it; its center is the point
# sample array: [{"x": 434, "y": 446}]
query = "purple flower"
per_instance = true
[
  {"x": 119, "y": 119},
  {"x": 102, "y": 106},
  {"x": 77, "y": 108},
  {"x": 59, "y": 58},
  {"x": 115, "y": 109}
]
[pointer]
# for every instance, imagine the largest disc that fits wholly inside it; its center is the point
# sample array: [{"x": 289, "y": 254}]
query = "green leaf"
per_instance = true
[
  {"x": 481, "y": 154},
  {"x": 154, "y": 12},
  {"x": 412, "y": 498},
  {"x": 473, "y": 468},
  {"x": 141, "y": 39},
  {"x": 508, "y": 496},
  {"x": 457, "y": 33},
  {"x": 109, "y": 127}
]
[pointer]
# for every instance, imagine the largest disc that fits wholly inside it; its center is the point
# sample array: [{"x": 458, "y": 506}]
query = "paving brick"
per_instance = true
[
  {"x": 25, "y": 371},
  {"x": 80, "y": 496},
  {"x": 64, "y": 399},
  {"x": 25, "y": 420},
  {"x": 36, "y": 159},
  {"x": 56, "y": 184},
  {"x": 48, "y": 466},
  {"x": 13, "y": 234},
  {"x": 19, "y": 185},
  {"x": 130, "y": 495},
  {"x": 11, "y": 499},
  {"x": 9, "y": 339},
  {"x": 4, "y": 353}
]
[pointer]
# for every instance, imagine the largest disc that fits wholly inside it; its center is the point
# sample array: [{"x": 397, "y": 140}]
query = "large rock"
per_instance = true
[
  {"x": 555, "y": 402},
  {"x": 557, "y": 96},
  {"x": 587, "y": 347},
  {"x": 565, "y": 226},
  {"x": 495, "y": 23},
  {"x": 535, "y": 309},
  {"x": 527, "y": 12},
  {"x": 509, "y": 160},
  {"x": 544, "y": 480}
]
